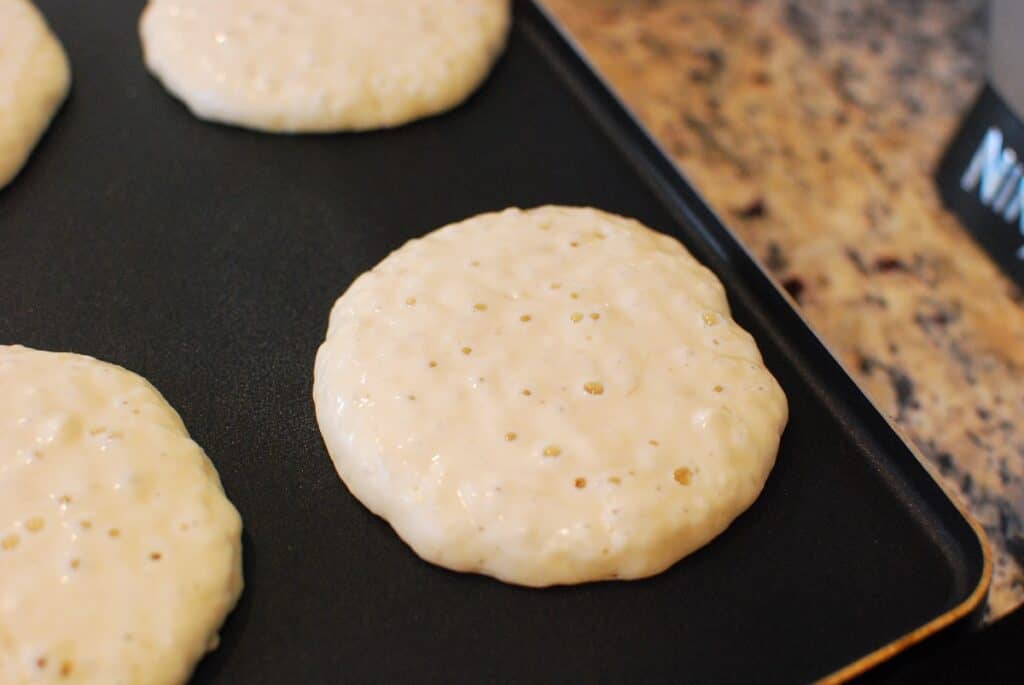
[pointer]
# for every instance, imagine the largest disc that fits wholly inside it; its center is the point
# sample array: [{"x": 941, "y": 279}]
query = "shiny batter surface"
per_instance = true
[
  {"x": 322, "y": 65},
  {"x": 34, "y": 80},
  {"x": 119, "y": 553},
  {"x": 549, "y": 396}
]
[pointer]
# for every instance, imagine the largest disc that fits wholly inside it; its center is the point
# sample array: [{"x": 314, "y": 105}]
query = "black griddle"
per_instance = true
[{"x": 206, "y": 258}]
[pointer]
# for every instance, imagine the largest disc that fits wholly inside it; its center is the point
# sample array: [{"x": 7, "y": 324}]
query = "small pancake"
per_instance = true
[
  {"x": 322, "y": 65},
  {"x": 34, "y": 80},
  {"x": 120, "y": 555},
  {"x": 549, "y": 396}
]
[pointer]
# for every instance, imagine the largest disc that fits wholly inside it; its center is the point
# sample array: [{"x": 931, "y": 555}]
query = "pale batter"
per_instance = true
[
  {"x": 34, "y": 80},
  {"x": 119, "y": 553},
  {"x": 322, "y": 65},
  {"x": 548, "y": 396}
]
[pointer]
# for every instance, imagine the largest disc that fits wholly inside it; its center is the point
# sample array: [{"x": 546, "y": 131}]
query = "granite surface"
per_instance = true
[{"x": 812, "y": 128}]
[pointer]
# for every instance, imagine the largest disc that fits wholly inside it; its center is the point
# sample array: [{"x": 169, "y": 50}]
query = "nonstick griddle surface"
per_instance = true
[{"x": 206, "y": 258}]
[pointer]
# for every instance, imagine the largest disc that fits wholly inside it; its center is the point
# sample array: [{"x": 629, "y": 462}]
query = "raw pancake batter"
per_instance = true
[
  {"x": 548, "y": 396},
  {"x": 322, "y": 65},
  {"x": 34, "y": 80},
  {"x": 120, "y": 556}
]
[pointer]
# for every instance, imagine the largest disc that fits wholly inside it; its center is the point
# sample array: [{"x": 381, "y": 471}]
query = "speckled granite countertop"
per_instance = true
[{"x": 812, "y": 128}]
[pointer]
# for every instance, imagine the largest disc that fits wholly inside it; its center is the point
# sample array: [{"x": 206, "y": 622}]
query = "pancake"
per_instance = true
[
  {"x": 550, "y": 396},
  {"x": 34, "y": 80},
  {"x": 120, "y": 555},
  {"x": 322, "y": 65}
]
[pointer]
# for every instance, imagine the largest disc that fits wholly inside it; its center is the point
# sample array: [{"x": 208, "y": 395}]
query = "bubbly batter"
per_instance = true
[
  {"x": 549, "y": 396},
  {"x": 34, "y": 80},
  {"x": 119, "y": 553},
  {"x": 322, "y": 65}
]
